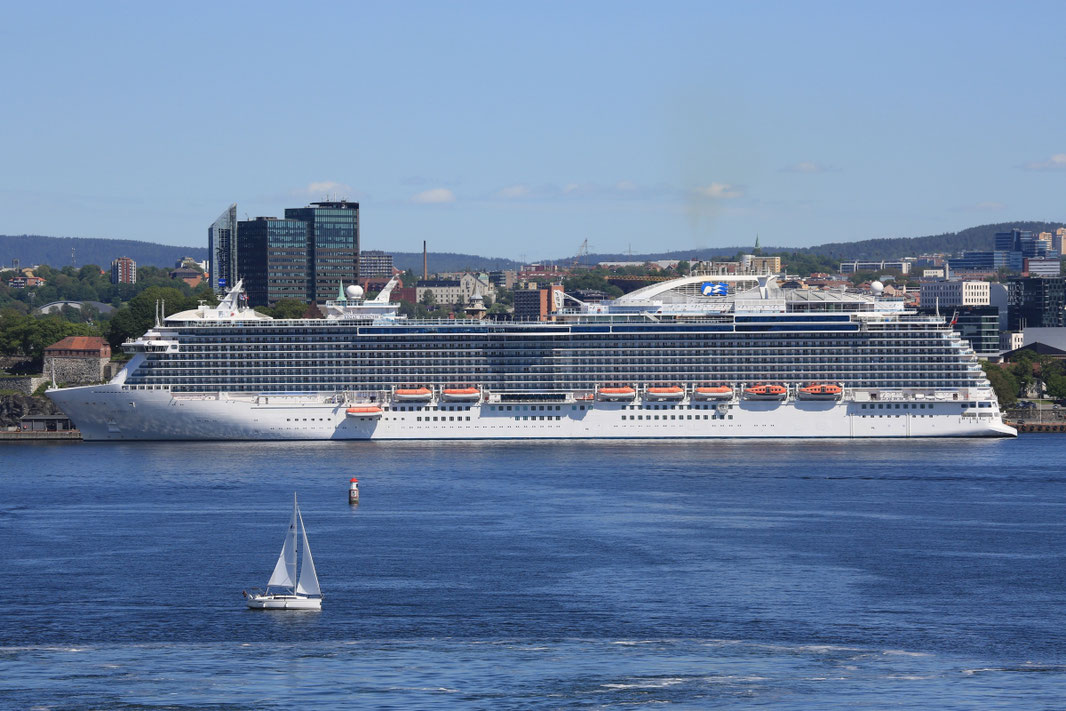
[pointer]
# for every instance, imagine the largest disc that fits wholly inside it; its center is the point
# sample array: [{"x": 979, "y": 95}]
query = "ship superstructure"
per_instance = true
[{"x": 701, "y": 356}]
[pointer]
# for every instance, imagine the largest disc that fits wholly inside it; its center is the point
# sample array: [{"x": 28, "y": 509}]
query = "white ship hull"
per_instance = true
[{"x": 110, "y": 412}]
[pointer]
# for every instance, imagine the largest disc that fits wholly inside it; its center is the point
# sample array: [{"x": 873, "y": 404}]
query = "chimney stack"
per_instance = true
[{"x": 425, "y": 261}]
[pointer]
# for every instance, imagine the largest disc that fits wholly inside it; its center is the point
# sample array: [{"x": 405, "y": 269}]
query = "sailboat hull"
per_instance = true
[{"x": 284, "y": 602}]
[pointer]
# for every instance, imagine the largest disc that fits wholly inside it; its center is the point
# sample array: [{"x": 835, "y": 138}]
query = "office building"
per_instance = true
[
  {"x": 538, "y": 304},
  {"x": 273, "y": 259},
  {"x": 980, "y": 326},
  {"x": 222, "y": 250},
  {"x": 308, "y": 255},
  {"x": 374, "y": 263},
  {"x": 903, "y": 267},
  {"x": 955, "y": 293},
  {"x": 332, "y": 245},
  {"x": 1036, "y": 302},
  {"x": 1043, "y": 266},
  {"x": 123, "y": 271},
  {"x": 985, "y": 261}
]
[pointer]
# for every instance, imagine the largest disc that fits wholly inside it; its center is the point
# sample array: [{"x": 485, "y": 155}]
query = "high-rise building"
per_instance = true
[
  {"x": 307, "y": 255},
  {"x": 538, "y": 304},
  {"x": 980, "y": 326},
  {"x": 222, "y": 250},
  {"x": 332, "y": 245},
  {"x": 123, "y": 271},
  {"x": 1036, "y": 302},
  {"x": 1058, "y": 242},
  {"x": 274, "y": 261},
  {"x": 374, "y": 263}
]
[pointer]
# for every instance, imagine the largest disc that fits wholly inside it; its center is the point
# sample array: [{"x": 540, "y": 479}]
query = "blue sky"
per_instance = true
[{"x": 521, "y": 130}]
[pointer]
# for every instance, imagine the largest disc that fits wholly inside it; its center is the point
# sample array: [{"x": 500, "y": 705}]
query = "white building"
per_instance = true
[{"x": 955, "y": 293}]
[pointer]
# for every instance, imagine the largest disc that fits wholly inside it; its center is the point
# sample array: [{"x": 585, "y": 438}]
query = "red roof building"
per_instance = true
[{"x": 79, "y": 347}]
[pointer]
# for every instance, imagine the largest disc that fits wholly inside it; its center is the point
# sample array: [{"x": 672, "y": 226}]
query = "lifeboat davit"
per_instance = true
[
  {"x": 767, "y": 391},
  {"x": 668, "y": 393},
  {"x": 462, "y": 394},
  {"x": 625, "y": 393},
  {"x": 413, "y": 395},
  {"x": 364, "y": 411},
  {"x": 719, "y": 392},
  {"x": 821, "y": 391}
]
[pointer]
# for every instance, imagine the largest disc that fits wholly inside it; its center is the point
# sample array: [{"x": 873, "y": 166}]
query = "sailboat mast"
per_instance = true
[{"x": 295, "y": 572}]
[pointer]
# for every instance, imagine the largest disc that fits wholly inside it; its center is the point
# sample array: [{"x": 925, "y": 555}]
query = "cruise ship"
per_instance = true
[{"x": 695, "y": 357}]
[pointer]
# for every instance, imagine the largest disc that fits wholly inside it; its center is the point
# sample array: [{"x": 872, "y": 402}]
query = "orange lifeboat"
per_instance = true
[
  {"x": 668, "y": 393},
  {"x": 364, "y": 411},
  {"x": 462, "y": 394},
  {"x": 821, "y": 391},
  {"x": 413, "y": 394},
  {"x": 766, "y": 391},
  {"x": 718, "y": 392},
  {"x": 623, "y": 393}
]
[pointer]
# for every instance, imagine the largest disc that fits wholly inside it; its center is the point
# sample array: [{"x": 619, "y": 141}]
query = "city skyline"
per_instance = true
[{"x": 511, "y": 131}]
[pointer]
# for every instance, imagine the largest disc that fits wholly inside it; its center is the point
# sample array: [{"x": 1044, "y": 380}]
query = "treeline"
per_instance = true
[
  {"x": 86, "y": 283},
  {"x": 1015, "y": 379},
  {"x": 24, "y": 332}
]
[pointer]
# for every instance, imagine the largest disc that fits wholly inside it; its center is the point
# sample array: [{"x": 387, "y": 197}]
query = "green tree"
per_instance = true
[
  {"x": 138, "y": 315},
  {"x": 289, "y": 308},
  {"x": 1003, "y": 382}
]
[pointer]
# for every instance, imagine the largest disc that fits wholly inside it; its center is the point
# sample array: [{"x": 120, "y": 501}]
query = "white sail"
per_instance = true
[
  {"x": 308, "y": 584},
  {"x": 284, "y": 575}
]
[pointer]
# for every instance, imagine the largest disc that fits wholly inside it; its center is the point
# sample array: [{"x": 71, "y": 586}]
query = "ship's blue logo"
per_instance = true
[{"x": 715, "y": 288}]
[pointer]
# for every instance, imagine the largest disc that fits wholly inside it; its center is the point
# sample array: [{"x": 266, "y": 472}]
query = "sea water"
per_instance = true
[{"x": 726, "y": 574}]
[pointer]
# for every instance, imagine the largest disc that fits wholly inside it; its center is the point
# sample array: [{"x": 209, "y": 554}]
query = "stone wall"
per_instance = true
[
  {"x": 75, "y": 371},
  {"x": 26, "y": 384}
]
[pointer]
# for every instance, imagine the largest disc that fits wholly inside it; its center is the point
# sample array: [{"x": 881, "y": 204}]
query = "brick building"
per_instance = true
[{"x": 123, "y": 271}]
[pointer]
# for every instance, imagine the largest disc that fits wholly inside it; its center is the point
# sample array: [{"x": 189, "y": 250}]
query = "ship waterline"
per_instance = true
[{"x": 228, "y": 372}]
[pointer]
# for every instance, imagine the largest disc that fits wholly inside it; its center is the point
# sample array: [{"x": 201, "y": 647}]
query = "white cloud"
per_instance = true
[
  {"x": 434, "y": 196},
  {"x": 807, "y": 166},
  {"x": 514, "y": 191},
  {"x": 625, "y": 185},
  {"x": 1056, "y": 162},
  {"x": 322, "y": 188},
  {"x": 719, "y": 191}
]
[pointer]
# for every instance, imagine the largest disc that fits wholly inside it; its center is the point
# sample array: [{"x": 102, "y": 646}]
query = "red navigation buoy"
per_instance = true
[{"x": 353, "y": 492}]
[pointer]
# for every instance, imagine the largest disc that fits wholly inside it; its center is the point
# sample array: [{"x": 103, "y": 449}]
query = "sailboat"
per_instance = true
[{"x": 303, "y": 591}]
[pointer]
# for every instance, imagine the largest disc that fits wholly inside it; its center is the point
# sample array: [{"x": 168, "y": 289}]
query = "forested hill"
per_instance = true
[
  {"x": 973, "y": 238},
  {"x": 55, "y": 251},
  {"x": 450, "y": 262}
]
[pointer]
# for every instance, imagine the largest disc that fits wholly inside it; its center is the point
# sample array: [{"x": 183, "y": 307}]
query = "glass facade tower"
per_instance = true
[
  {"x": 332, "y": 245},
  {"x": 274, "y": 260},
  {"x": 222, "y": 250}
]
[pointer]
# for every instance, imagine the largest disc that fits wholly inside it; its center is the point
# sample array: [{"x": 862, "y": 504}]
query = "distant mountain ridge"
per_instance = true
[
  {"x": 55, "y": 251},
  {"x": 980, "y": 238}
]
